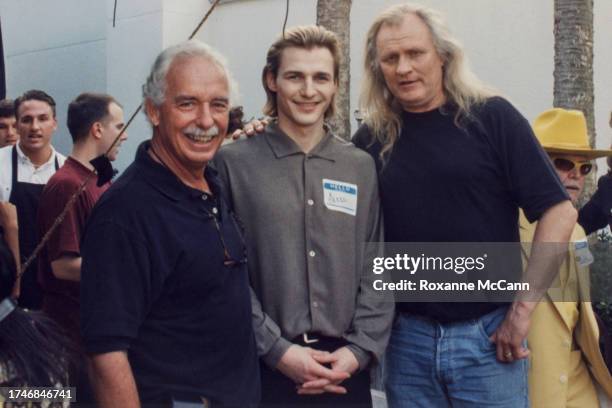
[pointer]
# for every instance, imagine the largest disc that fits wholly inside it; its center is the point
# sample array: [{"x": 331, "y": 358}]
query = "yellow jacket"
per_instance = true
[{"x": 554, "y": 351}]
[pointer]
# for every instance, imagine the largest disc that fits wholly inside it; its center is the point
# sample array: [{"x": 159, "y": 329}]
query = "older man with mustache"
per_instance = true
[{"x": 165, "y": 300}]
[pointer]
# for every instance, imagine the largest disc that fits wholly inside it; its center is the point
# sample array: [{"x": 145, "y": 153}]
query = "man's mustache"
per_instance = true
[{"x": 198, "y": 132}]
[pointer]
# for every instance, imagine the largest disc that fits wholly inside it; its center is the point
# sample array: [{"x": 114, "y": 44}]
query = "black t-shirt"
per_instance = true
[
  {"x": 444, "y": 183},
  {"x": 597, "y": 213},
  {"x": 157, "y": 283}
]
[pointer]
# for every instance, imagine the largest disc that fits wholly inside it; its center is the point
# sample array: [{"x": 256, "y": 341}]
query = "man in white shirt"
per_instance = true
[{"x": 24, "y": 170}]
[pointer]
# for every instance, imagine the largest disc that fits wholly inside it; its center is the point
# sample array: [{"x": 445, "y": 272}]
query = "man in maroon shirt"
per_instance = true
[{"x": 94, "y": 121}]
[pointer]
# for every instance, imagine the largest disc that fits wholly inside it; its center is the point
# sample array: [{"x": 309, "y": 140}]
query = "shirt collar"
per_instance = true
[
  {"x": 166, "y": 182},
  {"x": 78, "y": 166},
  {"x": 282, "y": 145},
  {"x": 21, "y": 156}
]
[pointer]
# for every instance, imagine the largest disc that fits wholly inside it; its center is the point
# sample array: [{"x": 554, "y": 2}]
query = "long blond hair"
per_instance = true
[{"x": 381, "y": 110}]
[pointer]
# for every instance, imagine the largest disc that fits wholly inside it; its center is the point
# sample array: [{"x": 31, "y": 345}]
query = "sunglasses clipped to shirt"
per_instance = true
[{"x": 568, "y": 165}]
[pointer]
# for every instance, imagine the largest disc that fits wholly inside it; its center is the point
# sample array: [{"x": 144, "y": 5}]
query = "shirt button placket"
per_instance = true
[{"x": 311, "y": 254}]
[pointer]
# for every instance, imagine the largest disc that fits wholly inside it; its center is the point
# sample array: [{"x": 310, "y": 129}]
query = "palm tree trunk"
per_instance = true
[
  {"x": 335, "y": 16},
  {"x": 573, "y": 74}
]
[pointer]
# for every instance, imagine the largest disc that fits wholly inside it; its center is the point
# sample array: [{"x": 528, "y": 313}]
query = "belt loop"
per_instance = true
[{"x": 309, "y": 340}]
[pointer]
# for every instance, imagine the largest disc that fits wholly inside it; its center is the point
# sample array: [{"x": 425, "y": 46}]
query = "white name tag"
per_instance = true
[
  {"x": 583, "y": 255},
  {"x": 340, "y": 196}
]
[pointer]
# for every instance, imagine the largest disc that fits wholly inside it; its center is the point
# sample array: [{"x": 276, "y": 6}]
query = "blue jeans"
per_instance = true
[{"x": 434, "y": 365}]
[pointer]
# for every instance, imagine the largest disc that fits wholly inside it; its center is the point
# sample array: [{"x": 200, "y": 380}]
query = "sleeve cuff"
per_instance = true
[
  {"x": 278, "y": 349},
  {"x": 64, "y": 252},
  {"x": 362, "y": 356},
  {"x": 106, "y": 345}
]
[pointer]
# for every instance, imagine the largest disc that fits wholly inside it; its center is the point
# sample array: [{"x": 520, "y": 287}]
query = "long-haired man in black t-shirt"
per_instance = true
[{"x": 451, "y": 159}]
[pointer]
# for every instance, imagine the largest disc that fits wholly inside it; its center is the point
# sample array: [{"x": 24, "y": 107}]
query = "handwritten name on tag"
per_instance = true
[{"x": 340, "y": 196}]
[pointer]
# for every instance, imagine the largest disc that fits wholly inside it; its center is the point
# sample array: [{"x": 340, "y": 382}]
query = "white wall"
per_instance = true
[
  {"x": 509, "y": 47},
  {"x": 132, "y": 46},
  {"x": 56, "y": 46},
  {"x": 602, "y": 73},
  {"x": 73, "y": 48},
  {"x": 509, "y": 44},
  {"x": 181, "y": 17}
]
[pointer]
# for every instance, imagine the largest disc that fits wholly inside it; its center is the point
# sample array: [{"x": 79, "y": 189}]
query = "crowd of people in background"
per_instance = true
[{"x": 238, "y": 276}]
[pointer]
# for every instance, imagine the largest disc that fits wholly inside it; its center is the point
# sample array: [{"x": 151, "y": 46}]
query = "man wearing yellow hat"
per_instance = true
[{"x": 566, "y": 363}]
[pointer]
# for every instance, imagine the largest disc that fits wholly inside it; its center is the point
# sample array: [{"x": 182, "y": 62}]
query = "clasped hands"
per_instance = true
[{"x": 316, "y": 371}]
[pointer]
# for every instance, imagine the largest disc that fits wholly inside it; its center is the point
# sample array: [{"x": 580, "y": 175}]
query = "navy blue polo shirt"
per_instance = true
[{"x": 164, "y": 277}]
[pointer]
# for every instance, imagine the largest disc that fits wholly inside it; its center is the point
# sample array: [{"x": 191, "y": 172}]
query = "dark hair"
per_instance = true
[
  {"x": 33, "y": 350},
  {"x": 236, "y": 115},
  {"x": 85, "y": 110},
  {"x": 34, "y": 95},
  {"x": 7, "y": 108}
]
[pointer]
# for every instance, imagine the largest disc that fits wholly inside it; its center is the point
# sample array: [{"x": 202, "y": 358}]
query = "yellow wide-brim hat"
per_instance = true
[{"x": 565, "y": 131}]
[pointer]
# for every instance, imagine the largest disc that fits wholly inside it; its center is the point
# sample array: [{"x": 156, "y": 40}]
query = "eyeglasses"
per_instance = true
[
  {"x": 232, "y": 256},
  {"x": 569, "y": 165}
]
